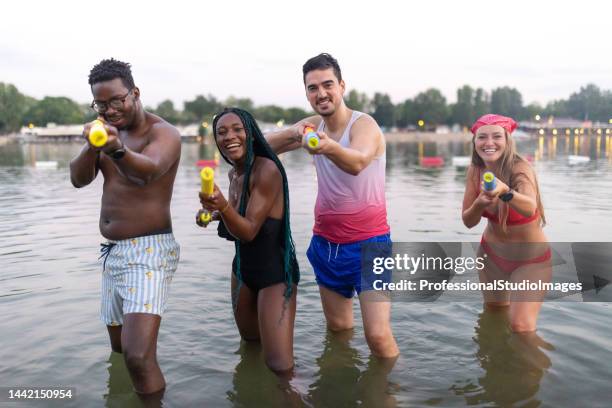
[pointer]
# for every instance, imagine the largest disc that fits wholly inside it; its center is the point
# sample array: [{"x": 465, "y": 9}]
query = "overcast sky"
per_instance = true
[{"x": 256, "y": 49}]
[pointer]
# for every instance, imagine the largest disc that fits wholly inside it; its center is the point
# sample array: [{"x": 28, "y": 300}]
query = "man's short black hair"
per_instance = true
[
  {"x": 322, "y": 61},
  {"x": 110, "y": 69}
]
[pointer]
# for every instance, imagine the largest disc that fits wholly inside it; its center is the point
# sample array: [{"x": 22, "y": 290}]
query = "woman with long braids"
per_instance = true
[
  {"x": 265, "y": 272},
  {"x": 513, "y": 244}
]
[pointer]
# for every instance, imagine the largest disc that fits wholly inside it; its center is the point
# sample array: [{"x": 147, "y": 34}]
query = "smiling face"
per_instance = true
[
  {"x": 490, "y": 142},
  {"x": 110, "y": 93},
  {"x": 324, "y": 91},
  {"x": 230, "y": 135}
]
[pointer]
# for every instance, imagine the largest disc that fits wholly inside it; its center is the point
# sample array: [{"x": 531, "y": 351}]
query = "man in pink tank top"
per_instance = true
[{"x": 350, "y": 210}]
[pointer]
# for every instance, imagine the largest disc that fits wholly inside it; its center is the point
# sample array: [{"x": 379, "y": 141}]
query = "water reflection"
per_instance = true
[
  {"x": 207, "y": 151},
  {"x": 254, "y": 385},
  {"x": 431, "y": 157},
  {"x": 422, "y": 207},
  {"x": 514, "y": 364},
  {"x": 120, "y": 391},
  {"x": 373, "y": 387},
  {"x": 399, "y": 154},
  {"x": 342, "y": 383},
  {"x": 27, "y": 154},
  {"x": 11, "y": 154}
]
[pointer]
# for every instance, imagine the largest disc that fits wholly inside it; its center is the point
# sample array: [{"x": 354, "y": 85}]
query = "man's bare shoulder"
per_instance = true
[
  {"x": 366, "y": 121},
  {"x": 365, "y": 125},
  {"x": 160, "y": 127}
]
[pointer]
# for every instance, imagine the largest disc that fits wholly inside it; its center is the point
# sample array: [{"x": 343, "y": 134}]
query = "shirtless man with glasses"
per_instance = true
[{"x": 139, "y": 163}]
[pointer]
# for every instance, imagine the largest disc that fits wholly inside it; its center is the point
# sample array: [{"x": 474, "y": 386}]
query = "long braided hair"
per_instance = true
[{"x": 256, "y": 145}]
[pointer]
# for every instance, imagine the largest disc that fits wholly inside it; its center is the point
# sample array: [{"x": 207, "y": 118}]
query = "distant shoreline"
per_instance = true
[
  {"x": 390, "y": 137},
  {"x": 429, "y": 137}
]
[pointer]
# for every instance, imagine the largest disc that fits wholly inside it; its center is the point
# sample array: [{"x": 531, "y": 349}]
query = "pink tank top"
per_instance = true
[{"x": 350, "y": 208}]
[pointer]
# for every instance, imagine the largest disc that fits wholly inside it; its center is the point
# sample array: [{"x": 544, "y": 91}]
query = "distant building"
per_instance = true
[
  {"x": 562, "y": 123},
  {"x": 53, "y": 132}
]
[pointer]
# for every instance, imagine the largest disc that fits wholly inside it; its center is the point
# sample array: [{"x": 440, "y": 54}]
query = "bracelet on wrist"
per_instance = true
[{"x": 227, "y": 204}]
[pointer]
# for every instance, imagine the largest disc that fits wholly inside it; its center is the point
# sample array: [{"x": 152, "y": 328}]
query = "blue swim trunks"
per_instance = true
[
  {"x": 343, "y": 269},
  {"x": 136, "y": 276}
]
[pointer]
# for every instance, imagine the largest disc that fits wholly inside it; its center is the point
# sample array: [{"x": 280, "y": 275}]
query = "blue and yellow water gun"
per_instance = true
[
  {"x": 489, "y": 181},
  {"x": 312, "y": 138}
]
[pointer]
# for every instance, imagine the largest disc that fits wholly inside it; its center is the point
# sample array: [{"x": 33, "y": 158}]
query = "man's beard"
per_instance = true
[{"x": 328, "y": 112}]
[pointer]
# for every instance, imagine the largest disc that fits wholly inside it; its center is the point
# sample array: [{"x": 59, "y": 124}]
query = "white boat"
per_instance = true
[
  {"x": 573, "y": 159},
  {"x": 461, "y": 161},
  {"x": 46, "y": 164}
]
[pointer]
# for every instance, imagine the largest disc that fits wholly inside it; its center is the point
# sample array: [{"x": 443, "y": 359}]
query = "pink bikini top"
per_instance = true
[{"x": 514, "y": 217}]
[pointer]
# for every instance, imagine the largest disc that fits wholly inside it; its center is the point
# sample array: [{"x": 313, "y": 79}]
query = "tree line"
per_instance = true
[
  {"x": 429, "y": 106},
  {"x": 589, "y": 103}
]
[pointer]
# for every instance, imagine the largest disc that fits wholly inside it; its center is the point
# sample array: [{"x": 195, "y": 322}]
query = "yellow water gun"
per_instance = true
[
  {"x": 207, "y": 175},
  {"x": 97, "y": 134}
]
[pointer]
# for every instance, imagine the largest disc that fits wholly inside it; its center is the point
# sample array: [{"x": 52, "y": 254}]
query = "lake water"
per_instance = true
[{"x": 452, "y": 354}]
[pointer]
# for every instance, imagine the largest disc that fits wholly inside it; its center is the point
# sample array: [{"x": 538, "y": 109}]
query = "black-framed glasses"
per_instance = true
[{"x": 115, "y": 103}]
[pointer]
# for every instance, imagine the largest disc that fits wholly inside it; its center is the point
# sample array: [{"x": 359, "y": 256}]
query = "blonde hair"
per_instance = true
[{"x": 505, "y": 172}]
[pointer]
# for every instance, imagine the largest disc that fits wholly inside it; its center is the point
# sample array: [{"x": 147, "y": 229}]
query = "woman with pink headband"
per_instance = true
[{"x": 513, "y": 244}]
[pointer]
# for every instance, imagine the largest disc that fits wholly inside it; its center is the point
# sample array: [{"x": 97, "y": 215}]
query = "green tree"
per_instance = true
[
  {"x": 532, "y": 110},
  {"x": 482, "y": 103},
  {"x": 556, "y": 108},
  {"x": 166, "y": 110},
  {"x": 13, "y": 105},
  {"x": 431, "y": 107},
  {"x": 200, "y": 108},
  {"x": 51, "y": 109},
  {"x": 269, "y": 113},
  {"x": 590, "y": 103},
  {"x": 88, "y": 113},
  {"x": 293, "y": 115},
  {"x": 605, "y": 112},
  {"x": 242, "y": 103},
  {"x": 357, "y": 101},
  {"x": 405, "y": 114},
  {"x": 462, "y": 112},
  {"x": 471, "y": 104},
  {"x": 507, "y": 101},
  {"x": 383, "y": 110}
]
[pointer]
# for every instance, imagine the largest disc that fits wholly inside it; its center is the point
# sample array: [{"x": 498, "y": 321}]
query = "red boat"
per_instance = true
[
  {"x": 214, "y": 162},
  {"x": 208, "y": 163},
  {"x": 431, "y": 161}
]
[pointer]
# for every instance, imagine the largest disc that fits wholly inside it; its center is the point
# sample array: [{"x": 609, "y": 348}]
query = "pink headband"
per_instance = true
[{"x": 491, "y": 119}]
